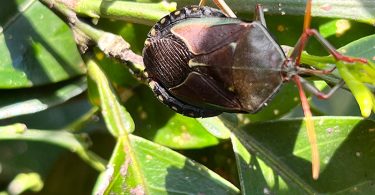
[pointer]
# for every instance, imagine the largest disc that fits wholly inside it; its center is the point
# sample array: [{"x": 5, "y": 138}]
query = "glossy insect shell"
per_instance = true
[{"x": 201, "y": 63}]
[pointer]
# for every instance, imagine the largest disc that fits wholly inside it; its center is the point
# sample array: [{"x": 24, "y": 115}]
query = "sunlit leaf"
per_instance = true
[
  {"x": 26, "y": 101},
  {"x": 157, "y": 122},
  {"x": 118, "y": 120},
  {"x": 153, "y": 169},
  {"x": 36, "y": 47},
  {"x": 280, "y": 155}
]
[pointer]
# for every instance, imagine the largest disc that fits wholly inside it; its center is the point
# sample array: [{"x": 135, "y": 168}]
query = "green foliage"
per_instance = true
[{"x": 44, "y": 113}]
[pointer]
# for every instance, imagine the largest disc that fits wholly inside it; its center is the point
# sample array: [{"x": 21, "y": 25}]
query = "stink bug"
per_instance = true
[{"x": 201, "y": 62}]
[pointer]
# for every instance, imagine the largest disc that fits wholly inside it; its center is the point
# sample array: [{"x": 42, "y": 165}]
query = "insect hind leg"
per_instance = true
[{"x": 321, "y": 95}]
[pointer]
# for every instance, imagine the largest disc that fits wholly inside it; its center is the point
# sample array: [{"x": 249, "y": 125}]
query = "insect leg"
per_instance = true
[
  {"x": 259, "y": 14},
  {"x": 309, "y": 127},
  {"x": 308, "y": 32},
  {"x": 312, "y": 89},
  {"x": 202, "y": 2},
  {"x": 301, "y": 70},
  {"x": 337, "y": 55},
  {"x": 225, "y": 8}
]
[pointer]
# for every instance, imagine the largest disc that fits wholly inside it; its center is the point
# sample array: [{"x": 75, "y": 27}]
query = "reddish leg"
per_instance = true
[
  {"x": 296, "y": 54},
  {"x": 310, "y": 128},
  {"x": 295, "y": 58},
  {"x": 307, "y": 33}
]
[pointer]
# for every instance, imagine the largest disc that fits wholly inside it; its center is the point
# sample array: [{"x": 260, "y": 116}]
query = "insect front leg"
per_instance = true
[
  {"x": 308, "y": 32},
  {"x": 296, "y": 54}
]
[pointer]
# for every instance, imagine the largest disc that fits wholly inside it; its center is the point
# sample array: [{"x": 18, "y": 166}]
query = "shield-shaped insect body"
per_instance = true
[{"x": 201, "y": 63}]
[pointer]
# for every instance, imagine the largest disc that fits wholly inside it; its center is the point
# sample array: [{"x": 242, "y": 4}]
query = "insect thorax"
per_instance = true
[
  {"x": 163, "y": 26},
  {"x": 172, "y": 54}
]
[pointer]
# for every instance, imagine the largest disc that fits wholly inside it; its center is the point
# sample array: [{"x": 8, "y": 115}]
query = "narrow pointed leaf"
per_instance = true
[
  {"x": 118, "y": 120},
  {"x": 157, "y": 170},
  {"x": 26, "y": 101}
]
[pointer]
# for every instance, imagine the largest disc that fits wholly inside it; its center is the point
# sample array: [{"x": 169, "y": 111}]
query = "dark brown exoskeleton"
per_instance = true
[{"x": 200, "y": 63}]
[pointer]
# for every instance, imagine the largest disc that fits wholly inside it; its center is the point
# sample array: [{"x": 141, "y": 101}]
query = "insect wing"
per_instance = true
[
  {"x": 210, "y": 83},
  {"x": 205, "y": 35},
  {"x": 256, "y": 69},
  {"x": 242, "y": 60}
]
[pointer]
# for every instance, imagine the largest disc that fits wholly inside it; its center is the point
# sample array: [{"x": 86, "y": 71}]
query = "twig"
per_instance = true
[{"x": 112, "y": 45}]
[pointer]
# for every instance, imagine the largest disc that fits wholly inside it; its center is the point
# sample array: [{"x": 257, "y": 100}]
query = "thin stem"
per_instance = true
[
  {"x": 134, "y": 12},
  {"x": 83, "y": 120},
  {"x": 112, "y": 45}
]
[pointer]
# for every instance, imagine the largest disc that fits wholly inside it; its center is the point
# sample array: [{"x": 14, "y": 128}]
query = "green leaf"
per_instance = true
[
  {"x": 25, "y": 181},
  {"x": 356, "y": 75},
  {"x": 25, "y": 101},
  {"x": 280, "y": 156},
  {"x": 359, "y": 77},
  {"x": 284, "y": 100},
  {"x": 363, "y": 95},
  {"x": 153, "y": 169},
  {"x": 350, "y": 9},
  {"x": 118, "y": 120},
  {"x": 36, "y": 47},
  {"x": 182, "y": 132},
  {"x": 363, "y": 48},
  {"x": 72, "y": 142},
  {"x": 157, "y": 122},
  {"x": 253, "y": 171},
  {"x": 216, "y": 126}
]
